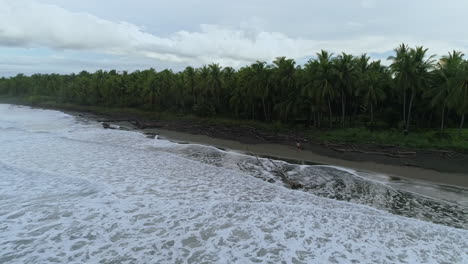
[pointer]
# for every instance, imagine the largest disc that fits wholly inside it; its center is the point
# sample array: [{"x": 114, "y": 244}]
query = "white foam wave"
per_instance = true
[{"x": 94, "y": 195}]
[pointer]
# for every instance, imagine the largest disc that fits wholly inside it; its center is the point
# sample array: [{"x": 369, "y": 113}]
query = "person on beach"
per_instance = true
[{"x": 299, "y": 146}]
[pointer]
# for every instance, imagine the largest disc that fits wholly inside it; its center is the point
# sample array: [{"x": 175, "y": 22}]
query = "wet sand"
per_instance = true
[{"x": 291, "y": 154}]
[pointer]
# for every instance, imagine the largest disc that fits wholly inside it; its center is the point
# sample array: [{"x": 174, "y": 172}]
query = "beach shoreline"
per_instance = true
[
  {"x": 290, "y": 153},
  {"x": 436, "y": 166}
]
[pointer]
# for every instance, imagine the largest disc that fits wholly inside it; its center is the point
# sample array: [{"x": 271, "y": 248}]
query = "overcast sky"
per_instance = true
[{"x": 72, "y": 35}]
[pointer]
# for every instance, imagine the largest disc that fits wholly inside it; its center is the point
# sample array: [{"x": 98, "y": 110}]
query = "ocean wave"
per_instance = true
[{"x": 95, "y": 195}]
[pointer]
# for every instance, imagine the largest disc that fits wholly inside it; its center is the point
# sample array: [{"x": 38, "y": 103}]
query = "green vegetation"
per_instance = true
[
  {"x": 450, "y": 139},
  {"x": 340, "y": 98}
]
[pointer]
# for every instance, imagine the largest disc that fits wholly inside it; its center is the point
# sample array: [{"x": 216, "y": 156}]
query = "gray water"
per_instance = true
[{"x": 72, "y": 192}]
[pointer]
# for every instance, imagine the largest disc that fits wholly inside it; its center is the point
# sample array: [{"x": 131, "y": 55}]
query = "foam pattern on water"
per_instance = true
[
  {"x": 81, "y": 194},
  {"x": 336, "y": 183}
]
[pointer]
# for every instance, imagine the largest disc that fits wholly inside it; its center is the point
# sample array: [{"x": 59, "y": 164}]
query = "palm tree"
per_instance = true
[
  {"x": 362, "y": 69},
  {"x": 283, "y": 72},
  {"x": 160, "y": 88},
  {"x": 345, "y": 79},
  {"x": 190, "y": 75},
  {"x": 447, "y": 69},
  {"x": 309, "y": 89},
  {"x": 215, "y": 85},
  {"x": 244, "y": 94},
  {"x": 400, "y": 70},
  {"x": 371, "y": 87},
  {"x": 261, "y": 84},
  {"x": 229, "y": 82},
  {"x": 420, "y": 74},
  {"x": 412, "y": 71},
  {"x": 324, "y": 79},
  {"x": 203, "y": 91},
  {"x": 458, "y": 97}
]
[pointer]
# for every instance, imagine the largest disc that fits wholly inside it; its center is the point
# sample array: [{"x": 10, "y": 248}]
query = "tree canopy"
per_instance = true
[{"x": 414, "y": 91}]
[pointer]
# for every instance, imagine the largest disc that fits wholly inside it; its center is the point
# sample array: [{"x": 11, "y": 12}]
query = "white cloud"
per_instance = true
[
  {"x": 32, "y": 24},
  {"x": 29, "y": 23}
]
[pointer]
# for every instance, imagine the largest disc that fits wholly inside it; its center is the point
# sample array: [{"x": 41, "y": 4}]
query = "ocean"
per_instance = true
[{"x": 73, "y": 192}]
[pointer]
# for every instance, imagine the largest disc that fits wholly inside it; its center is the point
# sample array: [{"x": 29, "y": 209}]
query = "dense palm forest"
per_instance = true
[{"x": 414, "y": 91}]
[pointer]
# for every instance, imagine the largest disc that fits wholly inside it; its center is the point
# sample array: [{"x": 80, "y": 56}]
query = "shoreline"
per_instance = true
[
  {"x": 292, "y": 155},
  {"x": 435, "y": 166}
]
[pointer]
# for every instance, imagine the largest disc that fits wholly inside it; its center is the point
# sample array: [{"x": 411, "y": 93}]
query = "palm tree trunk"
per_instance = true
[
  {"x": 356, "y": 109},
  {"x": 253, "y": 112},
  {"x": 372, "y": 114},
  {"x": 316, "y": 119},
  {"x": 442, "y": 121},
  {"x": 463, "y": 116},
  {"x": 312, "y": 120},
  {"x": 342, "y": 110},
  {"x": 319, "y": 119},
  {"x": 330, "y": 112},
  {"x": 264, "y": 108},
  {"x": 462, "y": 121},
  {"x": 153, "y": 99},
  {"x": 192, "y": 89},
  {"x": 404, "y": 107},
  {"x": 408, "y": 119}
]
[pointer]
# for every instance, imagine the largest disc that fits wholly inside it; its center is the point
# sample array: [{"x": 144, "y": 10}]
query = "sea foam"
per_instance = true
[{"x": 78, "y": 193}]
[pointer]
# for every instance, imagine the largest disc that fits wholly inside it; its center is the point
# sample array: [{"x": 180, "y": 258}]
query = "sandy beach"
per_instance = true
[
  {"x": 427, "y": 166},
  {"x": 437, "y": 166}
]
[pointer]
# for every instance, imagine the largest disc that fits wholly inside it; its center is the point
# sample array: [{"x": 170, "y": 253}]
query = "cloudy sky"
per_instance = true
[{"x": 72, "y": 35}]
